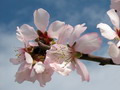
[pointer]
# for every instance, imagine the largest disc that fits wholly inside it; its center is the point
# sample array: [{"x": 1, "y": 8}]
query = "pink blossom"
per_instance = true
[
  {"x": 32, "y": 59},
  {"x": 114, "y": 52},
  {"x": 106, "y": 30},
  {"x": 111, "y": 34},
  {"x": 70, "y": 46},
  {"x": 31, "y": 71}
]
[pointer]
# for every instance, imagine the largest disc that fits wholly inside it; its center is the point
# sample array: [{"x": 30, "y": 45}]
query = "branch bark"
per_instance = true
[{"x": 101, "y": 60}]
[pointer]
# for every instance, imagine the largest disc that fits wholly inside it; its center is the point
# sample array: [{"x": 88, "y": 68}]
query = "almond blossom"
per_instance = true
[
  {"x": 63, "y": 56},
  {"x": 114, "y": 52},
  {"x": 31, "y": 71},
  {"x": 31, "y": 57},
  {"x": 32, "y": 66},
  {"x": 107, "y": 31},
  {"x": 111, "y": 34}
]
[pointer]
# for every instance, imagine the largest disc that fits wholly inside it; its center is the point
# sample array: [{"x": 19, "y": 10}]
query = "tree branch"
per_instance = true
[
  {"x": 101, "y": 60},
  {"x": 88, "y": 57}
]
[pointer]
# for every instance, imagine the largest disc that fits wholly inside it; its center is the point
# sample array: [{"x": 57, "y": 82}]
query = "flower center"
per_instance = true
[
  {"x": 60, "y": 53},
  {"x": 36, "y": 53},
  {"x": 44, "y": 38}
]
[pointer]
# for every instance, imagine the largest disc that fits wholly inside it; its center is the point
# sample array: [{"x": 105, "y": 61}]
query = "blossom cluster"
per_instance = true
[{"x": 58, "y": 47}]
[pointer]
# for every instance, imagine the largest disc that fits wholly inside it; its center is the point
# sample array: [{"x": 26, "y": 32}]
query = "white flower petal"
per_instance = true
[
  {"x": 28, "y": 32},
  {"x": 78, "y": 30},
  {"x": 19, "y": 35},
  {"x": 113, "y": 50},
  {"x": 55, "y": 29},
  {"x": 61, "y": 68},
  {"x": 28, "y": 57},
  {"x": 39, "y": 67},
  {"x": 106, "y": 31},
  {"x": 82, "y": 70},
  {"x": 65, "y": 34},
  {"x": 88, "y": 43},
  {"x": 41, "y": 19},
  {"x": 117, "y": 59},
  {"x": 114, "y": 18}
]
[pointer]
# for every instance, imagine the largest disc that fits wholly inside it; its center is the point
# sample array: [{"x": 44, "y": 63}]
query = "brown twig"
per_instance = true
[{"x": 101, "y": 60}]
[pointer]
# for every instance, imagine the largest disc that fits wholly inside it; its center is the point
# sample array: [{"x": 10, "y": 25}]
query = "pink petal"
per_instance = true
[
  {"x": 88, "y": 43},
  {"x": 22, "y": 74},
  {"x": 106, "y": 31},
  {"x": 32, "y": 74},
  {"x": 115, "y": 4},
  {"x": 82, "y": 70},
  {"x": 47, "y": 61},
  {"x": 28, "y": 57},
  {"x": 28, "y": 32},
  {"x": 44, "y": 77},
  {"x": 19, "y": 35},
  {"x": 16, "y": 61},
  {"x": 113, "y": 50},
  {"x": 114, "y": 18},
  {"x": 22, "y": 37},
  {"x": 40, "y": 79},
  {"x": 65, "y": 34},
  {"x": 41, "y": 19},
  {"x": 55, "y": 29},
  {"x": 61, "y": 68},
  {"x": 72, "y": 66},
  {"x": 117, "y": 59},
  {"x": 78, "y": 30},
  {"x": 32, "y": 79}
]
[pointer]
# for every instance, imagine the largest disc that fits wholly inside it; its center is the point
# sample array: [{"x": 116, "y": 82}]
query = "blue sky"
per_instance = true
[{"x": 17, "y": 12}]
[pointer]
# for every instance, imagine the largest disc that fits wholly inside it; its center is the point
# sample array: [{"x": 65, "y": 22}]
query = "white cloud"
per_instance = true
[{"x": 59, "y": 4}]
